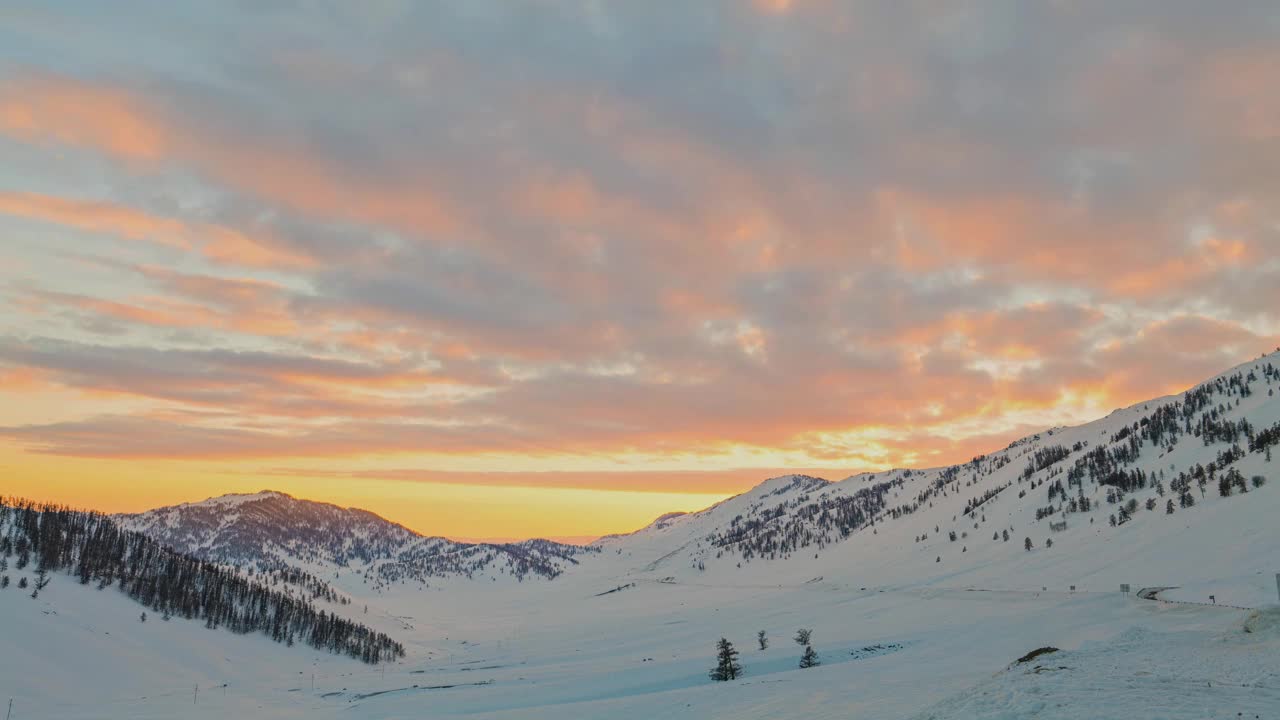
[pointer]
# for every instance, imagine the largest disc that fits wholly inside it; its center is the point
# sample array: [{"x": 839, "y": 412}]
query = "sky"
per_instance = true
[{"x": 502, "y": 269}]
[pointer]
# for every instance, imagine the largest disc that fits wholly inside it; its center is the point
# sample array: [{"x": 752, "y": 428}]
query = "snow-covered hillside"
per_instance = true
[
  {"x": 908, "y": 620},
  {"x": 1182, "y": 469}
]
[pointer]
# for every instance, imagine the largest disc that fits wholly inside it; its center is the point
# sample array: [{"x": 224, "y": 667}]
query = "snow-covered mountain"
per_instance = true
[
  {"x": 266, "y": 527},
  {"x": 1065, "y": 490},
  {"x": 271, "y": 531},
  {"x": 1062, "y": 491},
  {"x": 923, "y": 587}
]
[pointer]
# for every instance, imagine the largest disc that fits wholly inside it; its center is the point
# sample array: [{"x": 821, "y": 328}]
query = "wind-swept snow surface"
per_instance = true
[{"x": 1209, "y": 672}]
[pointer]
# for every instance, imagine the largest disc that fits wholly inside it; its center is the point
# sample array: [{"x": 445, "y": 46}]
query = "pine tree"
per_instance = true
[
  {"x": 803, "y": 635},
  {"x": 1028, "y": 544},
  {"x": 1168, "y": 508},
  {"x": 42, "y": 579},
  {"x": 809, "y": 658},
  {"x": 727, "y": 667},
  {"x": 763, "y": 640}
]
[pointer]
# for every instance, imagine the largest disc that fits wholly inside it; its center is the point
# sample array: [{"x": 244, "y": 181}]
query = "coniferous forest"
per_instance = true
[{"x": 90, "y": 547}]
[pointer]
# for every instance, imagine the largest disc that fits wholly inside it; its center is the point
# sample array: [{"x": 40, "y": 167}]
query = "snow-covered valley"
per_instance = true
[{"x": 919, "y": 602}]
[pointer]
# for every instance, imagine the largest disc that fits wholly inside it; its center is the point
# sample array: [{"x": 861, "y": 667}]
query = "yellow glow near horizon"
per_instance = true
[
  {"x": 448, "y": 509},
  {"x": 469, "y": 496}
]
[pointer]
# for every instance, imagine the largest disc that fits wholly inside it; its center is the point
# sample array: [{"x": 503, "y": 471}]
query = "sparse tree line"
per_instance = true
[
  {"x": 777, "y": 531},
  {"x": 977, "y": 502},
  {"x": 1195, "y": 415},
  {"x": 728, "y": 668},
  {"x": 1045, "y": 457},
  {"x": 309, "y": 584},
  {"x": 774, "y": 532},
  {"x": 94, "y": 549},
  {"x": 440, "y": 558}
]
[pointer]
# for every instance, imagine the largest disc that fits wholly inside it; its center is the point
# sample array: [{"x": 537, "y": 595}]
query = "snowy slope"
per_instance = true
[
  {"x": 789, "y": 532},
  {"x": 643, "y": 653},
  {"x": 1192, "y": 674},
  {"x": 77, "y": 652}
]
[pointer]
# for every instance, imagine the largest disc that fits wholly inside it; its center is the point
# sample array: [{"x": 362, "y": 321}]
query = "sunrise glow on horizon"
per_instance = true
[{"x": 498, "y": 272}]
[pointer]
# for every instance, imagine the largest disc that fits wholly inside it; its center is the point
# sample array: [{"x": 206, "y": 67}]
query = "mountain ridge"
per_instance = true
[
  {"x": 1109, "y": 469},
  {"x": 271, "y": 530},
  {"x": 1108, "y": 463}
]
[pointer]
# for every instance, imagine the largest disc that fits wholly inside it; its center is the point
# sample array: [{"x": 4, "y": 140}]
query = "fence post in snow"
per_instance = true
[
  {"x": 10, "y": 711},
  {"x": 1278, "y": 586}
]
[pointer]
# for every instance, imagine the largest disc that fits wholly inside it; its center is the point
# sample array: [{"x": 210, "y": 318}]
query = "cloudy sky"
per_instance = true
[{"x": 511, "y": 268}]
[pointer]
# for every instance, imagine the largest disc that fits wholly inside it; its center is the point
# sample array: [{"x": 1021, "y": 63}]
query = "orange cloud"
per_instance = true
[
  {"x": 776, "y": 7},
  {"x": 79, "y": 114},
  {"x": 127, "y": 126},
  {"x": 167, "y": 312},
  {"x": 98, "y": 217},
  {"x": 1204, "y": 260},
  {"x": 23, "y": 379},
  {"x": 218, "y": 243},
  {"x": 1233, "y": 81}
]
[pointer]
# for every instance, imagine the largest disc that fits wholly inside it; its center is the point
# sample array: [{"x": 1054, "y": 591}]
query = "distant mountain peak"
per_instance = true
[
  {"x": 272, "y": 530},
  {"x": 237, "y": 498}
]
